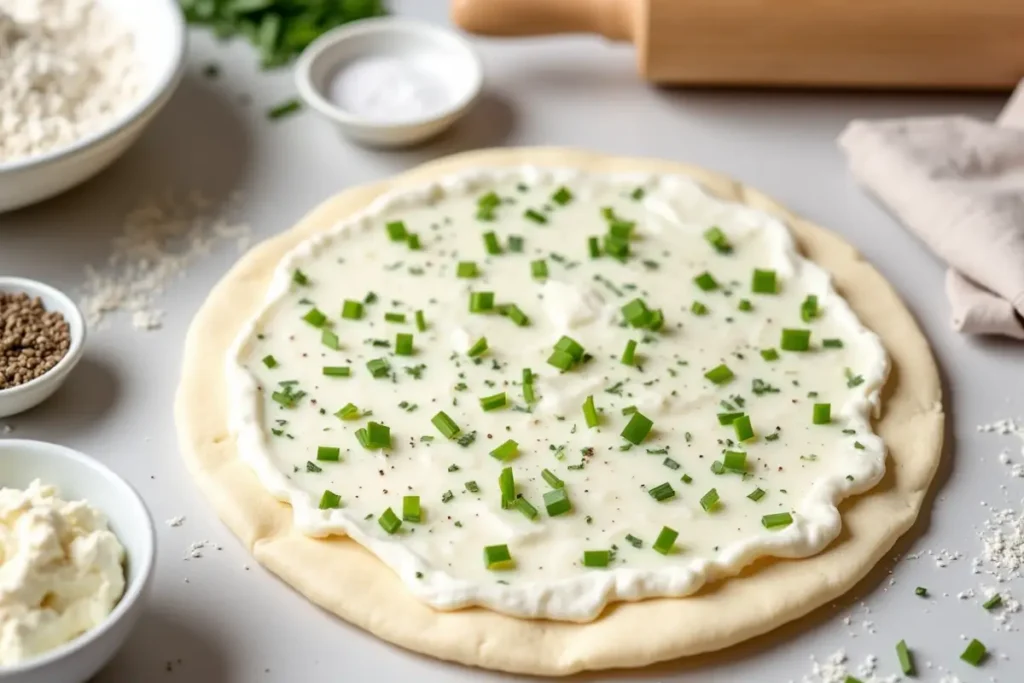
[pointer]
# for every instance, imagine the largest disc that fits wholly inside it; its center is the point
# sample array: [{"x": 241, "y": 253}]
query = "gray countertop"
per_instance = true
[{"x": 222, "y": 619}]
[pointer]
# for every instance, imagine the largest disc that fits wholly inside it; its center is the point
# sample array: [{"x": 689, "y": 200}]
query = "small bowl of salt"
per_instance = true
[{"x": 390, "y": 82}]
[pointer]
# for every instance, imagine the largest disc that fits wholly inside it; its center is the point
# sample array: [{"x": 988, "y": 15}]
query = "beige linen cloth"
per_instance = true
[{"x": 958, "y": 184}]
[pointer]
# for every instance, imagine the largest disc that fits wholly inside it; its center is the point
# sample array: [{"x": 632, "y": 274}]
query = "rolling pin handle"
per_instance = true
[{"x": 614, "y": 19}]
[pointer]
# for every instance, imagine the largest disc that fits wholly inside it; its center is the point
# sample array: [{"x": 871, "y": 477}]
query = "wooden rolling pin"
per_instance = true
[{"x": 943, "y": 44}]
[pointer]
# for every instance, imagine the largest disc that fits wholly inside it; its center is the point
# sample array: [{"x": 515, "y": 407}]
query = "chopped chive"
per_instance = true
[
  {"x": 809, "y": 308},
  {"x": 921, "y": 591},
  {"x": 634, "y": 541},
  {"x": 832, "y": 343},
  {"x": 686, "y": 479},
  {"x": 756, "y": 495},
  {"x": 629, "y": 353},
  {"x": 697, "y": 308},
  {"x": 616, "y": 247},
  {"x": 493, "y": 402},
  {"x": 795, "y": 340},
  {"x": 562, "y": 197},
  {"x": 284, "y": 109},
  {"x": 315, "y": 317},
  {"x": 993, "y": 602},
  {"x": 447, "y": 496},
  {"x": 421, "y": 322},
  {"x": 507, "y": 486},
  {"x": 552, "y": 480},
  {"x": 411, "y": 509},
  {"x": 597, "y": 558},
  {"x": 478, "y": 347},
  {"x": 270, "y": 362},
  {"x": 735, "y": 461},
  {"x": 331, "y": 453},
  {"x": 466, "y": 269},
  {"x": 666, "y": 540},
  {"x": 706, "y": 281},
  {"x": 330, "y": 340},
  {"x": 556, "y": 502},
  {"x": 312, "y": 467},
  {"x": 717, "y": 467},
  {"x": 539, "y": 269},
  {"x": 481, "y": 301},
  {"x": 594, "y": 247},
  {"x": 515, "y": 314},
  {"x": 300, "y": 278},
  {"x": 720, "y": 374},
  {"x": 472, "y": 487},
  {"x": 535, "y": 216},
  {"x": 378, "y": 368},
  {"x": 662, "y": 492},
  {"x": 636, "y": 313},
  {"x": 905, "y": 658},
  {"x": 709, "y": 501},
  {"x": 413, "y": 242},
  {"x": 745, "y": 305},
  {"x": 717, "y": 239},
  {"x": 728, "y": 418},
  {"x": 528, "y": 394},
  {"x": 506, "y": 451},
  {"x": 403, "y": 344},
  {"x": 637, "y": 194},
  {"x": 497, "y": 557},
  {"x": 445, "y": 425},
  {"x": 590, "y": 412},
  {"x": 515, "y": 244},
  {"x": 329, "y": 500},
  {"x": 769, "y": 354},
  {"x": 670, "y": 463},
  {"x": 763, "y": 282},
  {"x": 396, "y": 231},
  {"x": 371, "y": 297},
  {"x": 389, "y": 521},
  {"x": 377, "y": 436},
  {"x": 975, "y": 653},
  {"x": 348, "y": 412},
  {"x": 525, "y": 507},
  {"x": 337, "y": 371},
  {"x": 561, "y": 360},
  {"x": 777, "y": 520},
  {"x": 744, "y": 430},
  {"x": 491, "y": 243},
  {"x": 637, "y": 428},
  {"x": 351, "y": 310},
  {"x": 822, "y": 414},
  {"x": 490, "y": 200},
  {"x": 570, "y": 346}
]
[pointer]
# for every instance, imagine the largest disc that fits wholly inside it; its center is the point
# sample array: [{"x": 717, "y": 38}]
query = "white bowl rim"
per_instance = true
[
  {"x": 152, "y": 99},
  {"x": 133, "y": 589},
  {"x": 384, "y": 25},
  {"x": 75, "y": 349}
]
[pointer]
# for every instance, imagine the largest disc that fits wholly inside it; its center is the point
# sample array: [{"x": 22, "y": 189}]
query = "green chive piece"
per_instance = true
[
  {"x": 411, "y": 509},
  {"x": 506, "y": 451},
  {"x": 396, "y": 231},
  {"x": 472, "y": 487},
  {"x": 975, "y": 653},
  {"x": 389, "y": 521},
  {"x": 764, "y": 282},
  {"x": 330, "y": 340},
  {"x": 337, "y": 371},
  {"x": 832, "y": 343},
  {"x": 629, "y": 354},
  {"x": 348, "y": 412},
  {"x": 636, "y": 313},
  {"x": 557, "y": 502},
  {"x": 539, "y": 269},
  {"x": 378, "y": 368},
  {"x": 491, "y": 244},
  {"x": 728, "y": 418},
  {"x": 466, "y": 269},
  {"x": 528, "y": 394},
  {"x": 330, "y": 453},
  {"x": 445, "y": 425},
  {"x": 480, "y": 302},
  {"x": 329, "y": 500},
  {"x": 921, "y": 591},
  {"x": 778, "y": 520},
  {"x": 709, "y": 501},
  {"x": 497, "y": 557},
  {"x": 756, "y": 495},
  {"x": 993, "y": 602},
  {"x": 561, "y": 360},
  {"x": 515, "y": 244},
  {"x": 809, "y": 308},
  {"x": 666, "y": 540},
  {"x": 594, "y": 247},
  {"x": 822, "y": 414},
  {"x": 478, "y": 347},
  {"x": 552, "y": 480},
  {"x": 403, "y": 344},
  {"x": 525, "y": 507},
  {"x": 421, "y": 322},
  {"x": 745, "y": 305},
  {"x": 493, "y": 402},
  {"x": 352, "y": 310},
  {"x": 769, "y": 355},
  {"x": 270, "y": 362},
  {"x": 720, "y": 374},
  {"x": 514, "y": 313},
  {"x": 507, "y": 486},
  {"x": 706, "y": 282},
  {"x": 906, "y": 659},
  {"x": 570, "y": 346},
  {"x": 562, "y": 197},
  {"x": 490, "y": 200},
  {"x": 717, "y": 467},
  {"x": 637, "y": 194},
  {"x": 413, "y": 242},
  {"x": 597, "y": 558},
  {"x": 535, "y": 216},
  {"x": 637, "y": 429},
  {"x": 697, "y": 308},
  {"x": 590, "y": 412},
  {"x": 717, "y": 239},
  {"x": 300, "y": 278},
  {"x": 378, "y": 435},
  {"x": 795, "y": 340},
  {"x": 284, "y": 109},
  {"x": 447, "y": 496},
  {"x": 313, "y": 467},
  {"x": 744, "y": 430},
  {"x": 686, "y": 479},
  {"x": 315, "y": 317},
  {"x": 735, "y": 461},
  {"x": 662, "y": 492}
]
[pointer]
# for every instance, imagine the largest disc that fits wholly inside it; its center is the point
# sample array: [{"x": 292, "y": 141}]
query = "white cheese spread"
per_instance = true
[
  {"x": 61, "y": 571},
  {"x": 698, "y": 394}
]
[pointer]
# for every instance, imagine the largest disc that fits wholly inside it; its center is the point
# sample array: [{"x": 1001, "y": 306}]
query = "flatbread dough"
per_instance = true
[{"x": 342, "y": 577}]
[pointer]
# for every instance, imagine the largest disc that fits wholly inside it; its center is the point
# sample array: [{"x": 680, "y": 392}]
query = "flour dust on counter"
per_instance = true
[{"x": 543, "y": 391}]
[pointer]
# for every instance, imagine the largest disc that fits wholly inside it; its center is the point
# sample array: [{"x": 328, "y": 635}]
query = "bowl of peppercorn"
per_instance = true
[{"x": 42, "y": 335}]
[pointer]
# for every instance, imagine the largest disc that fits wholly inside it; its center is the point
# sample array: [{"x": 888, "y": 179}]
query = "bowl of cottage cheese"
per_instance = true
[
  {"x": 76, "y": 555},
  {"x": 81, "y": 80}
]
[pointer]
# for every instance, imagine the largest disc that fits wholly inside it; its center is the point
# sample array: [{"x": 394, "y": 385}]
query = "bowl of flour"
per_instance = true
[{"x": 81, "y": 80}]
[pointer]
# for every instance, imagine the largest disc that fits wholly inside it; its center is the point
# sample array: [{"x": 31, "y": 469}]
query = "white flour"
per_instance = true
[
  {"x": 66, "y": 69},
  {"x": 836, "y": 669},
  {"x": 392, "y": 89}
]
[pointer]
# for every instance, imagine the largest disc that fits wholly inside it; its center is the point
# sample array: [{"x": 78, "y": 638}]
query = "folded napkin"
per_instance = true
[{"x": 958, "y": 184}]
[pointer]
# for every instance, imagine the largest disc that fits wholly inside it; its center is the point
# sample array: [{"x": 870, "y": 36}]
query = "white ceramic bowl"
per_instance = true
[
  {"x": 79, "y": 477},
  {"x": 30, "y": 394},
  {"x": 413, "y": 42},
  {"x": 159, "y": 30}
]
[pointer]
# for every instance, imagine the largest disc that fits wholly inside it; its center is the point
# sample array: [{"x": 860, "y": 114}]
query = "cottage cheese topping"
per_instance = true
[
  {"x": 61, "y": 571},
  {"x": 341, "y": 417}
]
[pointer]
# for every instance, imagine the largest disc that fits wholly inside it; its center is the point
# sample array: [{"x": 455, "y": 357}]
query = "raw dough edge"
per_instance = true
[{"x": 761, "y": 599}]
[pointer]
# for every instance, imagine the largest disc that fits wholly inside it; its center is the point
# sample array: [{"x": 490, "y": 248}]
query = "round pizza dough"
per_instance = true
[{"x": 342, "y": 577}]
